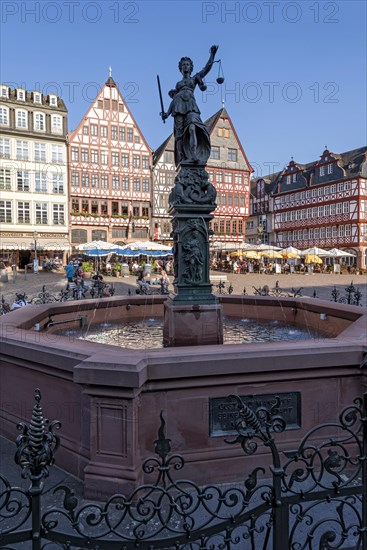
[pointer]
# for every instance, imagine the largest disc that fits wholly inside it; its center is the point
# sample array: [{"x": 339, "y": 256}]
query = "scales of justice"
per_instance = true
[{"x": 193, "y": 315}]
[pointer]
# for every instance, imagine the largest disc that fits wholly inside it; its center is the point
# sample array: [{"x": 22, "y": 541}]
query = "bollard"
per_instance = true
[
  {"x": 14, "y": 273},
  {"x": 25, "y": 273}
]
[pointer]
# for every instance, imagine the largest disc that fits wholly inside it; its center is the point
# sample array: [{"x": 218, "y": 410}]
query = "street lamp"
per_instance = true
[{"x": 35, "y": 261}]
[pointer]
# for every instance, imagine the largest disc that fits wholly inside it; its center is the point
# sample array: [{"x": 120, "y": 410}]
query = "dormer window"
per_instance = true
[
  {"x": 53, "y": 100},
  {"x": 322, "y": 171},
  {"x": 5, "y": 92},
  {"x": 20, "y": 95},
  {"x": 288, "y": 180},
  {"x": 330, "y": 168},
  {"x": 36, "y": 97},
  {"x": 294, "y": 178}
]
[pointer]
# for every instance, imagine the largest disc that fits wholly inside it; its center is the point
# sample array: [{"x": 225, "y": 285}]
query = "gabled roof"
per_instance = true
[
  {"x": 165, "y": 145},
  {"x": 111, "y": 84}
]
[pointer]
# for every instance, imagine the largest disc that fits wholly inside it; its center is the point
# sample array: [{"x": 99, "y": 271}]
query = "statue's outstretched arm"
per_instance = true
[{"x": 208, "y": 66}]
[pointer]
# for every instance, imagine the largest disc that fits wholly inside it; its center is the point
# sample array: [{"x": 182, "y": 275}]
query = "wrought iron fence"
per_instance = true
[{"x": 313, "y": 499}]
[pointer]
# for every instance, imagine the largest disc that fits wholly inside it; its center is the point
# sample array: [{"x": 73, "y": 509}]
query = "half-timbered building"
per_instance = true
[
  {"x": 109, "y": 173},
  {"x": 323, "y": 203},
  {"x": 229, "y": 171}
]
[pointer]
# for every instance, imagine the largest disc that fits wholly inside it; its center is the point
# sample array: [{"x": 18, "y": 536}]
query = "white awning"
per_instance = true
[{"x": 23, "y": 243}]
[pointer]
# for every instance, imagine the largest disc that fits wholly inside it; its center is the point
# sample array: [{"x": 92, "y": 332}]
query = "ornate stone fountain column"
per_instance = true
[{"x": 192, "y": 314}]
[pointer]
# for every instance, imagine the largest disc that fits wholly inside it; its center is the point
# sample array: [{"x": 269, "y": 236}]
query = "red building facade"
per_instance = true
[
  {"x": 323, "y": 204},
  {"x": 109, "y": 173}
]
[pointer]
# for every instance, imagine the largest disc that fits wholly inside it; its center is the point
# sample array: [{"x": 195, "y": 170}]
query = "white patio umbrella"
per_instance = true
[
  {"x": 291, "y": 250},
  {"x": 144, "y": 245},
  {"x": 93, "y": 245},
  {"x": 223, "y": 246},
  {"x": 266, "y": 247},
  {"x": 315, "y": 251},
  {"x": 337, "y": 253}
]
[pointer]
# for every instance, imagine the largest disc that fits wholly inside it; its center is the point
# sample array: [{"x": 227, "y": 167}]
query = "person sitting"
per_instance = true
[
  {"x": 143, "y": 282},
  {"x": 108, "y": 268}
]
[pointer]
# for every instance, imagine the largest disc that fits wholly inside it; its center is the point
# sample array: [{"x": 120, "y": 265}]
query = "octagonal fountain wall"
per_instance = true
[{"x": 109, "y": 398}]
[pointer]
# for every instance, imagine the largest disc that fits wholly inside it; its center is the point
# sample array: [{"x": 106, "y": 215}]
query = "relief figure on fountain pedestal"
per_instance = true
[{"x": 194, "y": 259}]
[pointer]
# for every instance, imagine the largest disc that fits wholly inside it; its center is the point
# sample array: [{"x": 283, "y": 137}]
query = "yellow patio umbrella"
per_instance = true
[
  {"x": 312, "y": 259},
  {"x": 271, "y": 254},
  {"x": 251, "y": 255},
  {"x": 236, "y": 254},
  {"x": 291, "y": 255}
]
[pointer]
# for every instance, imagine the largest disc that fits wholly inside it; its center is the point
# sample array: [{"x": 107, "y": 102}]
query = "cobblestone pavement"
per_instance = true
[{"x": 32, "y": 283}]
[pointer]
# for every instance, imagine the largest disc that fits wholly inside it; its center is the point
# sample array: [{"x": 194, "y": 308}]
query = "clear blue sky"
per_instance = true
[{"x": 295, "y": 72}]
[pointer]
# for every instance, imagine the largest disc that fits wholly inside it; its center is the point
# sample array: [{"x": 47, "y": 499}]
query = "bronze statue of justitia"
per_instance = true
[{"x": 192, "y": 140}]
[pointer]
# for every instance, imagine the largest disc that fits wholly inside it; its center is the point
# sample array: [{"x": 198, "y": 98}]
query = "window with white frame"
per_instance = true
[
  {"x": 145, "y": 186},
  {"x": 114, "y": 133},
  {"x": 75, "y": 179},
  {"x": 41, "y": 213},
  {"x": 75, "y": 154},
  {"x": 53, "y": 100},
  {"x": 85, "y": 180},
  {"x": 305, "y": 234},
  {"x": 298, "y": 214},
  {"x": 22, "y": 150},
  {"x": 310, "y": 233},
  {"x": 333, "y": 188},
  {"x": 339, "y": 208},
  {"x": 104, "y": 182},
  {"x": 114, "y": 158},
  {"x": 104, "y": 131},
  {"x": 345, "y": 207},
  {"x": 94, "y": 130},
  {"x": 4, "y": 148},
  {"x": 23, "y": 180},
  {"x": 330, "y": 168},
  {"x": 332, "y": 209},
  {"x": 227, "y": 177},
  {"x": 94, "y": 156},
  {"x": 316, "y": 234},
  {"x": 116, "y": 183},
  {"x": 313, "y": 192},
  {"x": 232, "y": 155},
  {"x": 327, "y": 210},
  {"x": 124, "y": 160},
  {"x": 4, "y": 116},
  {"x": 314, "y": 212},
  {"x": 320, "y": 191},
  {"x": 145, "y": 162},
  {"x": 340, "y": 186},
  {"x": 288, "y": 180},
  {"x": 219, "y": 176},
  {"x": 136, "y": 161},
  {"x": 215, "y": 153},
  {"x": 23, "y": 211},
  {"x": 5, "y": 182},
  {"x": 294, "y": 178},
  {"x": 328, "y": 232},
  {"x": 136, "y": 184},
  {"x": 348, "y": 230},
  {"x": 322, "y": 171},
  {"x": 20, "y": 94},
  {"x": 40, "y": 179},
  {"x": 57, "y": 154},
  {"x": 320, "y": 211},
  {"x": 84, "y": 155},
  {"x": 334, "y": 231},
  {"x": 238, "y": 179},
  {"x": 56, "y": 124},
  {"x": 40, "y": 152},
  {"x": 95, "y": 181},
  {"x": 5, "y": 212},
  {"x": 36, "y": 97},
  {"x": 341, "y": 231},
  {"x": 322, "y": 232},
  {"x": 58, "y": 211},
  {"x": 58, "y": 184},
  {"x": 21, "y": 118},
  {"x": 104, "y": 157},
  {"x": 4, "y": 91},
  {"x": 303, "y": 213},
  {"x": 39, "y": 122},
  {"x": 125, "y": 184},
  {"x": 347, "y": 185}
]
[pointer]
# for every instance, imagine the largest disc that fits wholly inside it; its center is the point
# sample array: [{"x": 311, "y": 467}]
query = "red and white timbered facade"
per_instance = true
[
  {"x": 109, "y": 173},
  {"x": 323, "y": 204},
  {"x": 229, "y": 171}
]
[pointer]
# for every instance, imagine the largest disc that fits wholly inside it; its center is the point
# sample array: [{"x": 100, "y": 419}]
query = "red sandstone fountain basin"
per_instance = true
[{"x": 108, "y": 399}]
